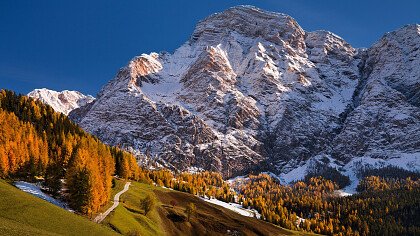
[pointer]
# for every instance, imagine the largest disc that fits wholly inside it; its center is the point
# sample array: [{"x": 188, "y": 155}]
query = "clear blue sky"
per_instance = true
[{"x": 80, "y": 45}]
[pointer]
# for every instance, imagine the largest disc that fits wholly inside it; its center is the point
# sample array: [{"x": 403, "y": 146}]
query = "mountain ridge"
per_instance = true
[{"x": 262, "y": 93}]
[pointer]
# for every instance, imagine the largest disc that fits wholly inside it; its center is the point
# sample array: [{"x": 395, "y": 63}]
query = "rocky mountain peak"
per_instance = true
[
  {"x": 323, "y": 45},
  {"x": 139, "y": 70},
  {"x": 64, "y": 101},
  {"x": 405, "y": 32},
  {"x": 144, "y": 65},
  {"x": 394, "y": 60},
  {"x": 251, "y": 90},
  {"x": 251, "y": 22}
]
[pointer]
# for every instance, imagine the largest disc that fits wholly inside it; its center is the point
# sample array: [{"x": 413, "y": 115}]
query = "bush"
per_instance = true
[
  {"x": 190, "y": 210},
  {"x": 147, "y": 204}
]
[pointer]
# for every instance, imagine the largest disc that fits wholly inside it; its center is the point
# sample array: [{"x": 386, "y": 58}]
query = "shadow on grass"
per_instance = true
[
  {"x": 174, "y": 217},
  {"x": 114, "y": 228}
]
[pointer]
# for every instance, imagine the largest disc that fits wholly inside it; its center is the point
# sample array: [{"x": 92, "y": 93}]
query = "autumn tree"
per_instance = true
[
  {"x": 190, "y": 210},
  {"x": 147, "y": 204}
]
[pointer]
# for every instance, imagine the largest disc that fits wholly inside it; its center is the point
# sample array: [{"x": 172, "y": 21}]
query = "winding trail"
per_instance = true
[{"x": 102, "y": 216}]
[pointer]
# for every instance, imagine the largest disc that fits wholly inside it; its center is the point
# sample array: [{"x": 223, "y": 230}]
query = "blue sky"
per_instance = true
[{"x": 80, "y": 45}]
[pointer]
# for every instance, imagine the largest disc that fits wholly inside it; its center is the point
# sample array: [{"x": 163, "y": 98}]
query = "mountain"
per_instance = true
[
  {"x": 64, "y": 101},
  {"x": 252, "y": 91}
]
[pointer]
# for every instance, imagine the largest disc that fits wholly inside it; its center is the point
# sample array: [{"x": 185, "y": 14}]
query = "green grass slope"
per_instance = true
[
  {"x": 24, "y": 214},
  {"x": 164, "y": 219},
  {"x": 128, "y": 218}
]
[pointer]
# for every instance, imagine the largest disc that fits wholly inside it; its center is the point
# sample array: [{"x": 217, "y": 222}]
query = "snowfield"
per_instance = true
[
  {"x": 234, "y": 207},
  {"x": 36, "y": 191}
]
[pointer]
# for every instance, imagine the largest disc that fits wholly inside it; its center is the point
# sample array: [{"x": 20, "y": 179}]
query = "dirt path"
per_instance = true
[{"x": 102, "y": 216}]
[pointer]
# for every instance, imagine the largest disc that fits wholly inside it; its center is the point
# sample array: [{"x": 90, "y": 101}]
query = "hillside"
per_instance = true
[
  {"x": 24, "y": 214},
  {"x": 388, "y": 203},
  {"x": 167, "y": 220}
]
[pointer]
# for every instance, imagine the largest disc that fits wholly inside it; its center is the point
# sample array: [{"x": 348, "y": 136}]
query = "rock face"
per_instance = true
[
  {"x": 384, "y": 119},
  {"x": 251, "y": 90},
  {"x": 64, "y": 101}
]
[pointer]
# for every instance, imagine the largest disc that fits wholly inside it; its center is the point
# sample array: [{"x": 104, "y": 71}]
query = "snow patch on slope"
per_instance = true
[
  {"x": 234, "y": 207},
  {"x": 36, "y": 191}
]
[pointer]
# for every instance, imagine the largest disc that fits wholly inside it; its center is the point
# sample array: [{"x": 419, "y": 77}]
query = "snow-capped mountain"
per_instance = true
[
  {"x": 251, "y": 90},
  {"x": 64, "y": 101}
]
